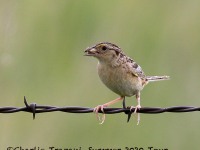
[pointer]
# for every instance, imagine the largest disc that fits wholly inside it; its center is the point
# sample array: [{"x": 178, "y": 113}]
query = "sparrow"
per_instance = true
[{"x": 119, "y": 73}]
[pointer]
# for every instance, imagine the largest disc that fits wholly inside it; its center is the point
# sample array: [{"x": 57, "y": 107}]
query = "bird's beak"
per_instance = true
[{"x": 90, "y": 51}]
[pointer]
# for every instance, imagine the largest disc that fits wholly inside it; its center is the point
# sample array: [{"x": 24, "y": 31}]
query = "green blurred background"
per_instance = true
[{"x": 41, "y": 57}]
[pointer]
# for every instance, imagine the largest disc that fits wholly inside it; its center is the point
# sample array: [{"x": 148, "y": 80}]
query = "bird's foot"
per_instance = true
[
  {"x": 135, "y": 111},
  {"x": 96, "y": 111}
]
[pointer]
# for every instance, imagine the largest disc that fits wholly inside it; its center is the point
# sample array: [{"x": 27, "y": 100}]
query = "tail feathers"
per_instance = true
[{"x": 157, "y": 78}]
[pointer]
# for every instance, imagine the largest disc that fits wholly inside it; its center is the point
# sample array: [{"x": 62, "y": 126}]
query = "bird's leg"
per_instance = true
[
  {"x": 101, "y": 107},
  {"x": 124, "y": 103},
  {"x": 137, "y": 107},
  {"x": 138, "y": 100}
]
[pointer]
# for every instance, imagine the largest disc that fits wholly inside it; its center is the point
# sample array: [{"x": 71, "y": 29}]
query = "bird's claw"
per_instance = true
[
  {"x": 135, "y": 111},
  {"x": 96, "y": 111}
]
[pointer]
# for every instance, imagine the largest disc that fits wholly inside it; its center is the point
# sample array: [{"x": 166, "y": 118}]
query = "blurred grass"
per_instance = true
[{"x": 41, "y": 57}]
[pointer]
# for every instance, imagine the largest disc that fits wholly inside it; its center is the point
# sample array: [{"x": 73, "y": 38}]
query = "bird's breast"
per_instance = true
[{"x": 119, "y": 80}]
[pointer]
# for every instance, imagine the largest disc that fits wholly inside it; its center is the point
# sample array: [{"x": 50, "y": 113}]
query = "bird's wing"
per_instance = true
[
  {"x": 135, "y": 69},
  {"x": 131, "y": 66}
]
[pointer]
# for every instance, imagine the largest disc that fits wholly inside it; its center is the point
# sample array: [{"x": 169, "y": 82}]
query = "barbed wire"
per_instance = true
[{"x": 34, "y": 109}]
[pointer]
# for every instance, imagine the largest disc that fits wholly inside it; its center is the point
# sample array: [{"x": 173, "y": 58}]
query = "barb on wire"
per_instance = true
[{"x": 34, "y": 109}]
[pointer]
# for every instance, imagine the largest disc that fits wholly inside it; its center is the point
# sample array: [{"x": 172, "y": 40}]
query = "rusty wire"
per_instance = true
[{"x": 34, "y": 109}]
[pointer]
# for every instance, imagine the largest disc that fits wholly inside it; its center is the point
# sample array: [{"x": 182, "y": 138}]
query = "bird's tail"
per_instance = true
[{"x": 157, "y": 78}]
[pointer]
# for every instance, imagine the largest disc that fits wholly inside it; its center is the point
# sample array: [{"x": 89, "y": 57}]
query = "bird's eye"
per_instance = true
[{"x": 104, "y": 48}]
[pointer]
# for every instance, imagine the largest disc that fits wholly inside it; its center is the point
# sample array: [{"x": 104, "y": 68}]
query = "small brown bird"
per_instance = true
[{"x": 119, "y": 73}]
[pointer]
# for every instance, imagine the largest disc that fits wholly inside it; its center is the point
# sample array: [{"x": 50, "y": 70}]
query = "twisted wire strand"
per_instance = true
[{"x": 34, "y": 109}]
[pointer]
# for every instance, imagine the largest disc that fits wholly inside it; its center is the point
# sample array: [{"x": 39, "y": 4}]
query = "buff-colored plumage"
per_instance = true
[{"x": 119, "y": 73}]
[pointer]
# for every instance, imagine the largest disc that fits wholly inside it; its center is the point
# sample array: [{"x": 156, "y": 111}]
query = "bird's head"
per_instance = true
[{"x": 104, "y": 51}]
